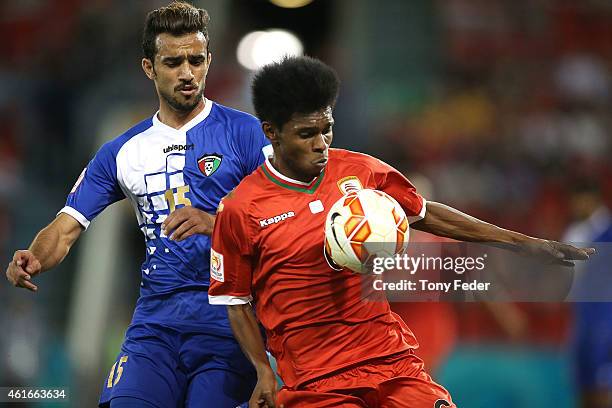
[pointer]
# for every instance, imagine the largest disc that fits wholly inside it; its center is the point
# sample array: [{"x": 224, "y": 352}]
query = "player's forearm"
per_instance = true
[
  {"x": 246, "y": 330},
  {"x": 448, "y": 222},
  {"x": 52, "y": 243}
]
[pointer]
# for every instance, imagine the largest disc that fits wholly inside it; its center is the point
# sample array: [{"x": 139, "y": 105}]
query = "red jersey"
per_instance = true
[{"x": 268, "y": 247}]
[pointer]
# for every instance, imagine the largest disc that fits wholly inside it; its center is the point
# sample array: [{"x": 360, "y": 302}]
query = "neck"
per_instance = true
[
  {"x": 280, "y": 166},
  {"x": 177, "y": 119}
]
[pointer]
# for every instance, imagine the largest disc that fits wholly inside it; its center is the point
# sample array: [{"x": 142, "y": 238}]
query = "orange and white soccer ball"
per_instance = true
[{"x": 363, "y": 225}]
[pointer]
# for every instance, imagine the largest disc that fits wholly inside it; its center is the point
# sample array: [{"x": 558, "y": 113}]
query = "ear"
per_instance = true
[
  {"x": 147, "y": 67},
  {"x": 270, "y": 132},
  {"x": 207, "y": 63}
]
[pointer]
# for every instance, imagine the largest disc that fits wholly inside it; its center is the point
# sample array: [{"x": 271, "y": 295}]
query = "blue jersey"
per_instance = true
[
  {"x": 592, "y": 345},
  {"x": 160, "y": 169}
]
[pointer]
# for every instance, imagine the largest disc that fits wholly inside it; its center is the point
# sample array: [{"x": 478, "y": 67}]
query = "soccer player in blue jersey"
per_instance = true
[{"x": 174, "y": 167}]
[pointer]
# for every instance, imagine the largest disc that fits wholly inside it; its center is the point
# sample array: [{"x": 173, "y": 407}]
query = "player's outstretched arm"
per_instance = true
[
  {"x": 187, "y": 221},
  {"x": 246, "y": 330},
  {"x": 49, "y": 248},
  {"x": 446, "y": 221}
]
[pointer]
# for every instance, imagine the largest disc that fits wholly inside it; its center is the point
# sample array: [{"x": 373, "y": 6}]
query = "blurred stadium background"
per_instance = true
[{"x": 500, "y": 108}]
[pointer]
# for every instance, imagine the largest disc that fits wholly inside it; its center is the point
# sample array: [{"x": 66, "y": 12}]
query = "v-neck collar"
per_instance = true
[
  {"x": 187, "y": 126},
  {"x": 279, "y": 179}
]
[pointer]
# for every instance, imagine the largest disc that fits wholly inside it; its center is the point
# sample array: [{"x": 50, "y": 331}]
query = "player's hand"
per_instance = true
[
  {"x": 264, "y": 394},
  {"x": 22, "y": 268},
  {"x": 187, "y": 221},
  {"x": 557, "y": 252}
]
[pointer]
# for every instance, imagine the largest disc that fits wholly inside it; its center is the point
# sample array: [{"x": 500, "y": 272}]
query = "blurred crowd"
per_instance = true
[
  {"x": 520, "y": 111},
  {"x": 512, "y": 120}
]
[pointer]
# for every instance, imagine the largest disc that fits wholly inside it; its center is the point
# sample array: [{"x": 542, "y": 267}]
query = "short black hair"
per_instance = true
[
  {"x": 177, "y": 18},
  {"x": 293, "y": 85}
]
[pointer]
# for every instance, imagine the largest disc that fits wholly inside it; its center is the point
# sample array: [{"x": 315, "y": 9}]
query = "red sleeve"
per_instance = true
[
  {"x": 399, "y": 187},
  {"x": 230, "y": 257}
]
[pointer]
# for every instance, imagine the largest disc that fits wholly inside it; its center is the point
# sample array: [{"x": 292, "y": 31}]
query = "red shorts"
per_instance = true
[{"x": 396, "y": 381}]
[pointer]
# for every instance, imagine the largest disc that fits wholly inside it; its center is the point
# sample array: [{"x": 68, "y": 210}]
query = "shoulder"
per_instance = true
[
  {"x": 239, "y": 200},
  {"x": 112, "y": 147},
  {"x": 241, "y": 129},
  {"x": 232, "y": 117},
  {"x": 355, "y": 159}
]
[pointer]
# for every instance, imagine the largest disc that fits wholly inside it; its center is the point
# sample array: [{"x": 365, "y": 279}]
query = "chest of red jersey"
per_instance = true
[{"x": 290, "y": 222}]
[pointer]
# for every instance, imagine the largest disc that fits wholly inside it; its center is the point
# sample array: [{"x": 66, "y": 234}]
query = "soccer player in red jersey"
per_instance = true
[{"x": 333, "y": 347}]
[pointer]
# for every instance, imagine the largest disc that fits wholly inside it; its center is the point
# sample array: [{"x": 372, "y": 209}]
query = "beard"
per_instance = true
[{"x": 182, "y": 106}]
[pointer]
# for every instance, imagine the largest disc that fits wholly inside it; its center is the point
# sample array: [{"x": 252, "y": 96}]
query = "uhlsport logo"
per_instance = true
[
  {"x": 276, "y": 219},
  {"x": 178, "y": 148},
  {"x": 209, "y": 163}
]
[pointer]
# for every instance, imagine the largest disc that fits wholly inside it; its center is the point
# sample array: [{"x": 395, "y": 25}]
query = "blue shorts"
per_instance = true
[{"x": 171, "y": 368}]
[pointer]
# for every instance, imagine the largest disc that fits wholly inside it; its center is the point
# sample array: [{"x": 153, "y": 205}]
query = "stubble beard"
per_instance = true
[{"x": 183, "y": 107}]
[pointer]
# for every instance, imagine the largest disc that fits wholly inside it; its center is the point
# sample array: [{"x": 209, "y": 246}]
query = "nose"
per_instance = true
[
  {"x": 319, "y": 144},
  {"x": 185, "y": 73}
]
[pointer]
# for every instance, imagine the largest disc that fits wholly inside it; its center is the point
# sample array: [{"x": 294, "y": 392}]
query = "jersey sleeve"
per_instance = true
[
  {"x": 96, "y": 188},
  {"x": 254, "y": 146},
  {"x": 399, "y": 187},
  {"x": 231, "y": 269}
]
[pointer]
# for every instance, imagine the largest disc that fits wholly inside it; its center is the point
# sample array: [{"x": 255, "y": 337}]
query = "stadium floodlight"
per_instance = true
[
  {"x": 290, "y": 3},
  {"x": 259, "y": 48}
]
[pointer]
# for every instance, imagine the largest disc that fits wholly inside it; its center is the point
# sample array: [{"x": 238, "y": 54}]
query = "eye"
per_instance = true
[{"x": 196, "y": 61}]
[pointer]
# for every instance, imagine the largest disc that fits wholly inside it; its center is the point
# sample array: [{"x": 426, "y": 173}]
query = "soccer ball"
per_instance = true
[{"x": 364, "y": 225}]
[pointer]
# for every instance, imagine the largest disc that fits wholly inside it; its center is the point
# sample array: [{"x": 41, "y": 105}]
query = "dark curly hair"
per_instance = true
[
  {"x": 177, "y": 18},
  {"x": 293, "y": 85}
]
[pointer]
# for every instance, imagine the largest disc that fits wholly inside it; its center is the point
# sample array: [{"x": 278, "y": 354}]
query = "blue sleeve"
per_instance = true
[
  {"x": 96, "y": 188},
  {"x": 252, "y": 144}
]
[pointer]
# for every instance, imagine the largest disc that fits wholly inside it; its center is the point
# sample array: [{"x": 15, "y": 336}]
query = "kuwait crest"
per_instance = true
[{"x": 209, "y": 163}]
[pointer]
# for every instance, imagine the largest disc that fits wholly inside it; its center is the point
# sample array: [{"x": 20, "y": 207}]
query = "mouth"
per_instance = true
[
  {"x": 320, "y": 162},
  {"x": 188, "y": 90}
]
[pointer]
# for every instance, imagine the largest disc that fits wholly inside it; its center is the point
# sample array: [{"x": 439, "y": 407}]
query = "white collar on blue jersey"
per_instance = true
[{"x": 197, "y": 119}]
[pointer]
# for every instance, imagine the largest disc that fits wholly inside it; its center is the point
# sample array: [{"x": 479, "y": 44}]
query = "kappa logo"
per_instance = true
[
  {"x": 209, "y": 163},
  {"x": 276, "y": 219},
  {"x": 441, "y": 403},
  {"x": 349, "y": 184}
]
